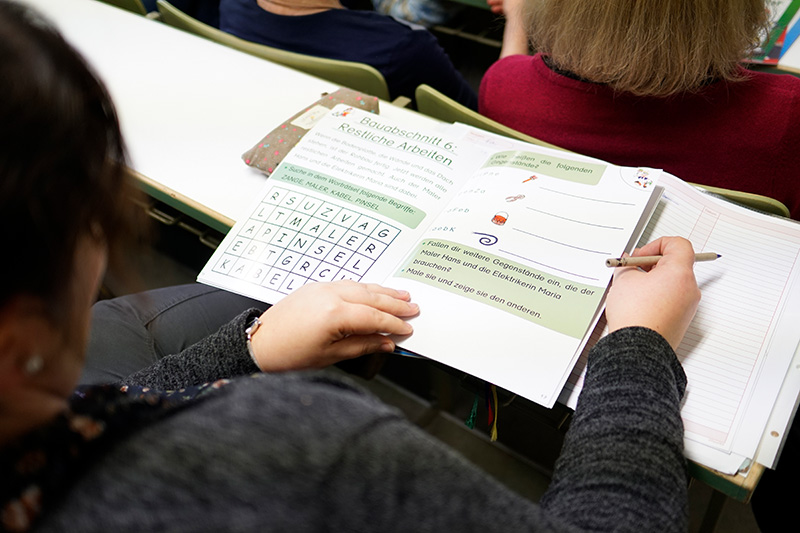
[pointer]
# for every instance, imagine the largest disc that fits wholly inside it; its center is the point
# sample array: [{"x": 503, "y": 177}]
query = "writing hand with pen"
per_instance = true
[{"x": 662, "y": 296}]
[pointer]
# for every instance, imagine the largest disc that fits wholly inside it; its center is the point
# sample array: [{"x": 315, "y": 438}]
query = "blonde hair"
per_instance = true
[{"x": 647, "y": 47}]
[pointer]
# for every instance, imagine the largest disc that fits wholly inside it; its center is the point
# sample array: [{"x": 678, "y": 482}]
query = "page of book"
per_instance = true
[
  {"x": 512, "y": 274},
  {"x": 738, "y": 348}
]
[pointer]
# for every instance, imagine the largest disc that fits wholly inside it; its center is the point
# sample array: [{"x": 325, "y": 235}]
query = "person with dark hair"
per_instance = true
[
  {"x": 651, "y": 83},
  {"x": 407, "y": 55},
  {"x": 228, "y": 434},
  {"x": 90, "y": 192}
]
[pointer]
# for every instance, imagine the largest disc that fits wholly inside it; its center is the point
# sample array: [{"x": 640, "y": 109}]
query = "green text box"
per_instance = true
[
  {"x": 555, "y": 303},
  {"x": 342, "y": 191},
  {"x": 556, "y": 167}
]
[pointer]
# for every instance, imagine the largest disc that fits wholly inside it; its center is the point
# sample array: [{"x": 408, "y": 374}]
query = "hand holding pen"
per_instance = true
[{"x": 662, "y": 297}]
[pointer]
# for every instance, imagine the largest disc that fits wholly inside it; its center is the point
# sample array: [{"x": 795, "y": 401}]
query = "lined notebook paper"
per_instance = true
[{"x": 739, "y": 346}]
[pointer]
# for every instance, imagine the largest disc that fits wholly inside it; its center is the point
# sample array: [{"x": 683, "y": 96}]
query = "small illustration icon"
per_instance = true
[
  {"x": 533, "y": 177},
  {"x": 500, "y": 218},
  {"x": 486, "y": 239},
  {"x": 642, "y": 179},
  {"x": 343, "y": 112},
  {"x": 515, "y": 197}
]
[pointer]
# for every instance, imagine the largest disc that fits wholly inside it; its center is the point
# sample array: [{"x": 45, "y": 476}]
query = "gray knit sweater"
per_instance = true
[{"x": 305, "y": 452}]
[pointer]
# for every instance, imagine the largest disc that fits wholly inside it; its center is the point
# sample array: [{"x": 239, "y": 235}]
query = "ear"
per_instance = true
[{"x": 23, "y": 330}]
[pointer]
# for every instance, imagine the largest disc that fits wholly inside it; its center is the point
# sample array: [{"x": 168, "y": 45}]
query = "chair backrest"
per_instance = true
[
  {"x": 435, "y": 104},
  {"x": 748, "y": 199},
  {"x": 356, "y": 76},
  {"x": 136, "y": 6}
]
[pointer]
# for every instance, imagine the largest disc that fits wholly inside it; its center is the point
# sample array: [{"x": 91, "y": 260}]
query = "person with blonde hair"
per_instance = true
[{"x": 651, "y": 83}]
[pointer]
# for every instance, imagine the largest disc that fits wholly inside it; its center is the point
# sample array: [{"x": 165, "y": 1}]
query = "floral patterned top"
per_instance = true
[{"x": 41, "y": 465}]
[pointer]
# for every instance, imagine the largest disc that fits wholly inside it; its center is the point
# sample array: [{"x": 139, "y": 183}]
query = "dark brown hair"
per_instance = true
[{"x": 62, "y": 174}]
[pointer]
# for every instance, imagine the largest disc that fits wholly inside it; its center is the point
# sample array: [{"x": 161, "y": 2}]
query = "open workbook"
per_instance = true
[
  {"x": 503, "y": 245},
  {"x": 504, "y": 250}
]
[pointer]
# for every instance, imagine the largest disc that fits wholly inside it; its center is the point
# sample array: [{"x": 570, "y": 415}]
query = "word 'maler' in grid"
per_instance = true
[{"x": 292, "y": 238}]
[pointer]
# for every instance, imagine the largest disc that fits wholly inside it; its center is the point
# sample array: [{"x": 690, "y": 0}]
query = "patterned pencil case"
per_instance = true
[{"x": 271, "y": 150}]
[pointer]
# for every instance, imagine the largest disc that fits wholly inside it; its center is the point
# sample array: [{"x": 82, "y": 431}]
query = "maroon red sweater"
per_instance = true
[{"x": 742, "y": 135}]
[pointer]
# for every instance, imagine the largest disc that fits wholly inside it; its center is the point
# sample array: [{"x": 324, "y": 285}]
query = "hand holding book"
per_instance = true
[{"x": 323, "y": 323}]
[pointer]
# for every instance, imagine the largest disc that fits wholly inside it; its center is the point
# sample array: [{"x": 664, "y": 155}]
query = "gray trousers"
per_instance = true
[{"x": 131, "y": 332}]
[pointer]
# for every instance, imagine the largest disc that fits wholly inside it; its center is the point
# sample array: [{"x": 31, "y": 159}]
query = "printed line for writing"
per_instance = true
[
  {"x": 573, "y": 220},
  {"x": 600, "y": 252},
  {"x": 587, "y": 197},
  {"x": 548, "y": 266}
]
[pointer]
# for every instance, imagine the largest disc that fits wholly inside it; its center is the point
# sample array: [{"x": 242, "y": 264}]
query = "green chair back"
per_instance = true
[
  {"x": 435, "y": 104},
  {"x": 135, "y": 6},
  {"x": 356, "y": 76},
  {"x": 749, "y": 199}
]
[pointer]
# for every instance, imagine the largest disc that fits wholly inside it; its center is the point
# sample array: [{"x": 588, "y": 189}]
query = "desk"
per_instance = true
[{"x": 188, "y": 107}]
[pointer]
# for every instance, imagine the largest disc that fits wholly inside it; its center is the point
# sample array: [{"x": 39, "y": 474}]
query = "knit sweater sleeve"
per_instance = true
[
  {"x": 621, "y": 468},
  {"x": 622, "y": 465},
  {"x": 221, "y": 355}
]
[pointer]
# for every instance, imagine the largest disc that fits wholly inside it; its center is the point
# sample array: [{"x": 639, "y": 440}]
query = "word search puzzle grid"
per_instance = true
[{"x": 292, "y": 238}]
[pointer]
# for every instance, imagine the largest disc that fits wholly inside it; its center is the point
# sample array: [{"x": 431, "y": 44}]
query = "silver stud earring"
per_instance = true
[{"x": 33, "y": 365}]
